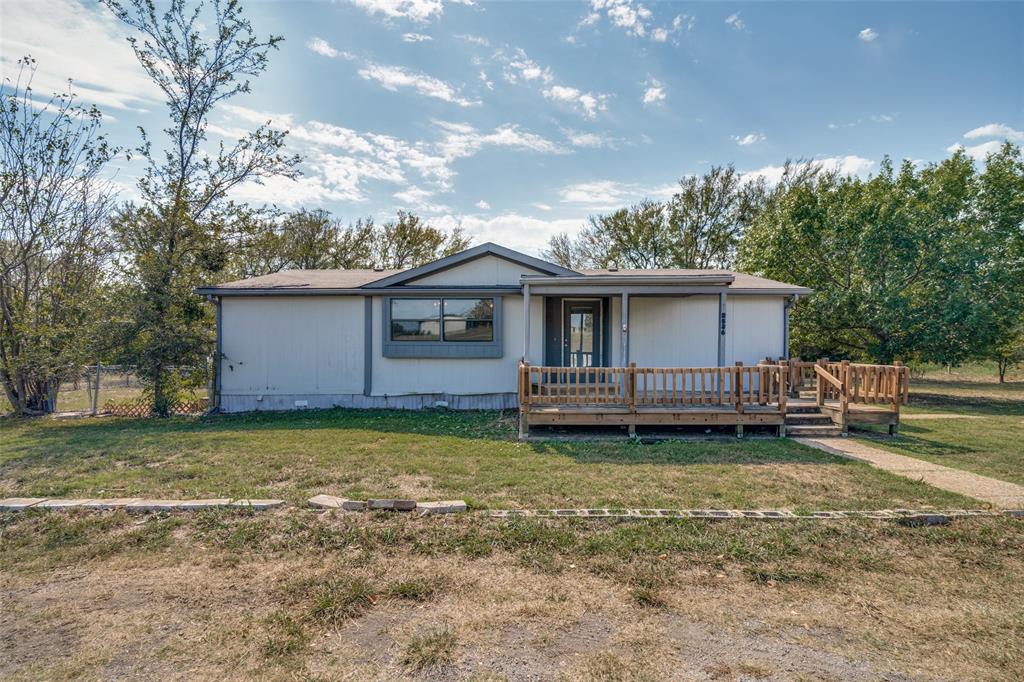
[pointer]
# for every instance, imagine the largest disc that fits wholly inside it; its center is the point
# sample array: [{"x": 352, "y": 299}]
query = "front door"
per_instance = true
[{"x": 581, "y": 333}]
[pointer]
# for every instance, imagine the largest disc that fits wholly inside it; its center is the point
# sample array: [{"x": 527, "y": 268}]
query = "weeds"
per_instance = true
[{"x": 432, "y": 649}]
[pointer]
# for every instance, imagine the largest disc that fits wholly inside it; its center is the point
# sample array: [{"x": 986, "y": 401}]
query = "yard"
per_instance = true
[
  {"x": 965, "y": 420},
  {"x": 301, "y": 594}
]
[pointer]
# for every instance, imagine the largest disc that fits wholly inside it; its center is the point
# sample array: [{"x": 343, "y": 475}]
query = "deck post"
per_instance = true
[
  {"x": 897, "y": 395},
  {"x": 738, "y": 395},
  {"x": 524, "y": 400},
  {"x": 526, "y": 322},
  {"x": 721, "y": 328},
  {"x": 783, "y": 392},
  {"x": 844, "y": 396},
  {"x": 631, "y": 396},
  {"x": 823, "y": 363}
]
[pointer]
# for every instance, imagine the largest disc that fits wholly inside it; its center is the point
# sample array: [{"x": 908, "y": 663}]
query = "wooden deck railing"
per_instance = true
[
  {"x": 653, "y": 386},
  {"x": 736, "y": 395}
]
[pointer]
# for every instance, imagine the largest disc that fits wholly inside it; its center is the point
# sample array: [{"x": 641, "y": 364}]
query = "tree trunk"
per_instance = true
[{"x": 1002, "y": 364}]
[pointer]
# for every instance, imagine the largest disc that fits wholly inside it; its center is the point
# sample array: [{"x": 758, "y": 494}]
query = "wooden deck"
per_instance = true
[{"x": 708, "y": 396}]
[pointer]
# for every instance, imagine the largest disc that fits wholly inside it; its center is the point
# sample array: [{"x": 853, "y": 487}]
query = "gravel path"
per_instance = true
[{"x": 1000, "y": 493}]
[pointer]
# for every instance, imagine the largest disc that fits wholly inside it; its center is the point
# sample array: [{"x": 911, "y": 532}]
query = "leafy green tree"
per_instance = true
[
  {"x": 1009, "y": 353},
  {"x": 708, "y": 216},
  {"x": 633, "y": 237},
  {"x": 903, "y": 264},
  {"x": 408, "y": 242},
  {"x": 54, "y": 205},
  {"x": 172, "y": 240},
  {"x": 699, "y": 227},
  {"x": 1001, "y": 210}
]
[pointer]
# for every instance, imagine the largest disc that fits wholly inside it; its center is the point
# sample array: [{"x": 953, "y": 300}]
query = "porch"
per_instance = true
[{"x": 779, "y": 394}]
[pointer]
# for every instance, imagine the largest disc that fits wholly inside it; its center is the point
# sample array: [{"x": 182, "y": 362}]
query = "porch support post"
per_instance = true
[
  {"x": 787, "y": 304},
  {"x": 721, "y": 329},
  {"x": 526, "y": 322},
  {"x": 624, "y": 315}
]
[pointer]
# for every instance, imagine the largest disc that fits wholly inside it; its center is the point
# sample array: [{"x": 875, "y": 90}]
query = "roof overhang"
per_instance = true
[{"x": 709, "y": 280}]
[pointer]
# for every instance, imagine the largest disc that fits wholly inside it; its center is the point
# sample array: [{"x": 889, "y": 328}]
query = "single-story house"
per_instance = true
[{"x": 453, "y": 332}]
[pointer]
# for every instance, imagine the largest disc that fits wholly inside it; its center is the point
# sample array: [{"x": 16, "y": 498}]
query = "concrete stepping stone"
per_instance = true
[
  {"x": 112, "y": 503},
  {"x": 332, "y": 502},
  {"x": 257, "y": 505},
  {"x": 177, "y": 505},
  {"x": 63, "y": 504},
  {"x": 391, "y": 505},
  {"x": 443, "y": 507},
  {"x": 196, "y": 505},
  {"x": 19, "y": 503}
]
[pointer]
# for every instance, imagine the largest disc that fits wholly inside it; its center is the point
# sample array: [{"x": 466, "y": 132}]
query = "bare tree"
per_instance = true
[{"x": 53, "y": 211}]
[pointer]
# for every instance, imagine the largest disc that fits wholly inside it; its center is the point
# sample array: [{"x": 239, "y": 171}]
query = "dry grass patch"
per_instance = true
[{"x": 296, "y": 594}]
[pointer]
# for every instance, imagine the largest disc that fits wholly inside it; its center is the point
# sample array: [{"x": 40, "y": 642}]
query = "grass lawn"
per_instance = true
[
  {"x": 300, "y": 594},
  {"x": 979, "y": 424},
  {"x": 430, "y": 455}
]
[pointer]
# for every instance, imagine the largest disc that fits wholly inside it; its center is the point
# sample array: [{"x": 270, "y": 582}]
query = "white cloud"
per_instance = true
[
  {"x": 655, "y": 92},
  {"x": 602, "y": 195},
  {"x": 590, "y": 140},
  {"x": 883, "y": 118},
  {"x": 464, "y": 140},
  {"x": 420, "y": 11},
  {"x": 633, "y": 17},
  {"x": 418, "y": 199},
  {"x": 588, "y": 102},
  {"x": 341, "y": 163},
  {"x": 868, "y": 35},
  {"x": 522, "y": 233},
  {"x": 995, "y": 130},
  {"x": 483, "y": 205},
  {"x": 415, "y": 37},
  {"x": 395, "y": 77},
  {"x": 684, "y": 20},
  {"x": 735, "y": 21},
  {"x": 322, "y": 47},
  {"x": 489, "y": 84},
  {"x": 748, "y": 139},
  {"x": 84, "y": 42},
  {"x": 541, "y": 206},
  {"x": 978, "y": 152},
  {"x": 521, "y": 67},
  {"x": 475, "y": 40},
  {"x": 846, "y": 165}
]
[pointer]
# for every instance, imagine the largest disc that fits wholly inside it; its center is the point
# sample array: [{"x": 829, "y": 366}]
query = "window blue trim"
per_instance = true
[{"x": 440, "y": 349}]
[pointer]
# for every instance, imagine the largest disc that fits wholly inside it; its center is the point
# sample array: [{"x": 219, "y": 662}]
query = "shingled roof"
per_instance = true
[{"x": 380, "y": 281}]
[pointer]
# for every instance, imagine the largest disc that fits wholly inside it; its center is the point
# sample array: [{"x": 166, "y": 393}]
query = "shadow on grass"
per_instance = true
[
  {"x": 914, "y": 444},
  {"x": 469, "y": 434},
  {"x": 989, "y": 398}
]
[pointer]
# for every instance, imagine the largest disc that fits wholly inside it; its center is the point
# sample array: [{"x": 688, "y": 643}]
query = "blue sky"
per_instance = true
[{"x": 519, "y": 119}]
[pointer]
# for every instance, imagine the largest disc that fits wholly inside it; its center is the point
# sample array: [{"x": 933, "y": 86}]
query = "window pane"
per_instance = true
[
  {"x": 471, "y": 308},
  {"x": 415, "y": 330},
  {"x": 468, "y": 330},
  {"x": 415, "y": 308}
]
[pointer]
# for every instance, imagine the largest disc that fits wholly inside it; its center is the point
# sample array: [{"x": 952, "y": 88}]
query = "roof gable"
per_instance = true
[{"x": 449, "y": 262}]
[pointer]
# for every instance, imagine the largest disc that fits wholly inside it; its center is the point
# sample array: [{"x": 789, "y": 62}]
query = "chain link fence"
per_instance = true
[{"x": 118, "y": 390}]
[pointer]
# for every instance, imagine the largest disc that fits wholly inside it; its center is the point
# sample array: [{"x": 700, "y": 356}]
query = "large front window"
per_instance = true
[{"x": 442, "y": 319}]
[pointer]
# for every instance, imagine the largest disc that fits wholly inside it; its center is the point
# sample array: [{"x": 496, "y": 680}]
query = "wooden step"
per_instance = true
[
  {"x": 813, "y": 431},
  {"x": 808, "y": 419}
]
